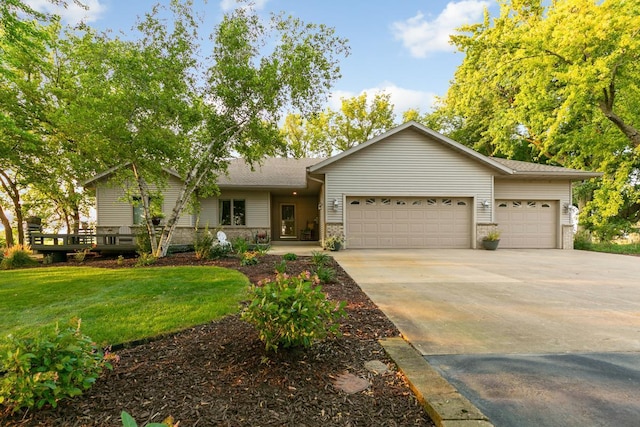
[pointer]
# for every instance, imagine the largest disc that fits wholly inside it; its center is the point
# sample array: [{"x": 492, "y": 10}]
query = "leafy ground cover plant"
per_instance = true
[
  {"x": 325, "y": 273},
  {"x": 48, "y": 368},
  {"x": 281, "y": 267},
  {"x": 17, "y": 256},
  {"x": 249, "y": 258},
  {"x": 292, "y": 312},
  {"x": 128, "y": 421},
  {"x": 145, "y": 259},
  {"x": 319, "y": 258},
  {"x": 289, "y": 257}
]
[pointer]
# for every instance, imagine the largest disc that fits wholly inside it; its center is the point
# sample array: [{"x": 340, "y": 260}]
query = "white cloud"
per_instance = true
[
  {"x": 422, "y": 36},
  {"x": 73, "y": 13},
  {"x": 403, "y": 99},
  {"x": 227, "y": 5}
]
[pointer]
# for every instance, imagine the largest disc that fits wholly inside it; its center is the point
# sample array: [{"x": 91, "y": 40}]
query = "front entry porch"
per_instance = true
[{"x": 295, "y": 218}]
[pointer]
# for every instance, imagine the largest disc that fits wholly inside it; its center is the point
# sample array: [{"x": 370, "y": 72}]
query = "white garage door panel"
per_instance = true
[
  {"x": 401, "y": 222},
  {"x": 527, "y": 224}
]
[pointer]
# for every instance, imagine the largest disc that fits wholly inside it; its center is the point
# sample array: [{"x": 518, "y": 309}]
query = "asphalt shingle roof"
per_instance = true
[{"x": 272, "y": 172}]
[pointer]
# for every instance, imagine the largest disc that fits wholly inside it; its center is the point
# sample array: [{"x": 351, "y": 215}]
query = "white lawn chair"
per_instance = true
[{"x": 222, "y": 240}]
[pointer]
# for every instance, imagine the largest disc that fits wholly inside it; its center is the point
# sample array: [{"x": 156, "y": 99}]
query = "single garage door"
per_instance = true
[
  {"x": 527, "y": 223},
  {"x": 408, "y": 222}
]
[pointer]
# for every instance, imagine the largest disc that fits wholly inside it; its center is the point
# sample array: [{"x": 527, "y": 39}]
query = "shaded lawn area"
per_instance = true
[
  {"x": 608, "y": 247},
  {"x": 117, "y": 306}
]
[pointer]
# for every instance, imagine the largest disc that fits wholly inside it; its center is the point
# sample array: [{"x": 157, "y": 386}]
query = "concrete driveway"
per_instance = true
[{"x": 532, "y": 337}]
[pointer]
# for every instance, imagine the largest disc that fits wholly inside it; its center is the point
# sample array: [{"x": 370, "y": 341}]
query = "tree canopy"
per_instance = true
[
  {"x": 323, "y": 134},
  {"x": 555, "y": 82}
]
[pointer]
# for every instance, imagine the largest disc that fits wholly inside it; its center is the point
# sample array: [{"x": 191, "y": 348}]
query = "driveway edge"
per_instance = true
[{"x": 443, "y": 403}]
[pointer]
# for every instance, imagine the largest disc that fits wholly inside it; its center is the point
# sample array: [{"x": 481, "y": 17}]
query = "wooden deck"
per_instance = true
[{"x": 65, "y": 243}]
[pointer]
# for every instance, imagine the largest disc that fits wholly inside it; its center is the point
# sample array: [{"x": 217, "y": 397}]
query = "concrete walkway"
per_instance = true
[{"x": 532, "y": 337}]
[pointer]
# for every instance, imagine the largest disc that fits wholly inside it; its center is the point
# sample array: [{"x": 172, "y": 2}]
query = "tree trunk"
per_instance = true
[
  {"x": 144, "y": 196},
  {"x": 8, "y": 232},
  {"x": 606, "y": 106},
  {"x": 11, "y": 188}
]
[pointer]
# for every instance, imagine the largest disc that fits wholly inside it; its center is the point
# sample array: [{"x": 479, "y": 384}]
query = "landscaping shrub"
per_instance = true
[
  {"x": 319, "y": 258},
  {"x": 249, "y": 258},
  {"x": 582, "y": 240},
  {"x": 204, "y": 244},
  {"x": 145, "y": 259},
  {"x": 240, "y": 245},
  {"x": 80, "y": 256},
  {"x": 281, "y": 267},
  {"x": 219, "y": 251},
  {"x": 325, "y": 274},
  {"x": 292, "y": 312},
  {"x": 17, "y": 256},
  {"x": 46, "y": 369},
  {"x": 290, "y": 257}
]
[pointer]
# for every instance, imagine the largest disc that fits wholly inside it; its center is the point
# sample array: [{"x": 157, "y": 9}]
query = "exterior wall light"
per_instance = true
[
  {"x": 485, "y": 203},
  {"x": 334, "y": 204}
]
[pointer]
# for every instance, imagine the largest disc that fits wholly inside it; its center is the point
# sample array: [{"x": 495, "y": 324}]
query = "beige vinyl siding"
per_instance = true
[
  {"x": 406, "y": 164},
  {"x": 111, "y": 209},
  {"x": 256, "y": 205},
  {"x": 171, "y": 193},
  {"x": 524, "y": 190}
]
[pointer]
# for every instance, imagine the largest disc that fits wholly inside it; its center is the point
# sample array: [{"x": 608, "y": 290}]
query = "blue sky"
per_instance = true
[{"x": 400, "y": 47}]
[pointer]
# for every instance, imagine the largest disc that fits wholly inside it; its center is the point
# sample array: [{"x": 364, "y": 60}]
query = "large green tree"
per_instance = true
[
  {"x": 24, "y": 43},
  {"x": 555, "y": 82},
  {"x": 154, "y": 104},
  {"x": 358, "y": 120}
]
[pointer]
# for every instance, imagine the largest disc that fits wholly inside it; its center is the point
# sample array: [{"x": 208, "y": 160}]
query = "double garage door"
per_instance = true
[{"x": 409, "y": 222}]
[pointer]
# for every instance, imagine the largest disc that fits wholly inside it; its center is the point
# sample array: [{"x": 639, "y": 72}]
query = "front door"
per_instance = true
[{"x": 288, "y": 221}]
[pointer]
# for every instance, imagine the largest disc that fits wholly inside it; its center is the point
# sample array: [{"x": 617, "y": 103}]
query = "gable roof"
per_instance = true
[
  {"x": 101, "y": 175},
  {"x": 456, "y": 146},
  {"x": 504, "y": 167}
]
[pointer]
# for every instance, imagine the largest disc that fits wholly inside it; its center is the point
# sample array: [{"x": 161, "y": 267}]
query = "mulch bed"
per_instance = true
[{"x": 219, "y": 374}]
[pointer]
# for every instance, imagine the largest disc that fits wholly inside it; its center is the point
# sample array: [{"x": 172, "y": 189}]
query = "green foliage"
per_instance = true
[
  {"x": 17, "y": 256},
  {"x": 322, "y": 134},
  {"x": 128, "y": 421},
  {"x": 325, "y": 273},
  {"x": 262, "y": 249},
  {"x": 145, "y": 259},
  {"x": 46, "y": 369},
  {"x": 281, "y": 267},
  {"x": 319, "y": 258},
  {"x": 492, "y": 236},
  {"x": 527, "y": 90},
  {"x": 292, "y": 312},
  {"x": 240, "y": 245},
  {"x": 143, "y": 240},
  {"x": 80, "y": 256},
  {"x": 120, "y": 260},
  {"x": 249, "y": 258},
  {"x": 333, "y": 243},
  {"x": 289, "y": 257},
  {"x": 219, "y": 251},
  {"x": 204, "y": 244}
]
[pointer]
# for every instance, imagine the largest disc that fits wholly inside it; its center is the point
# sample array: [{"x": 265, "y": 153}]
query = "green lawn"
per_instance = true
[
  {"x": 613, "y": 248},
  {"x": 120, "y": 305}
]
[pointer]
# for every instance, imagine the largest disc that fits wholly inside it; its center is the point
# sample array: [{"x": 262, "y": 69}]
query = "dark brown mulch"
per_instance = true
[{"x": 219, "y": 374}]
